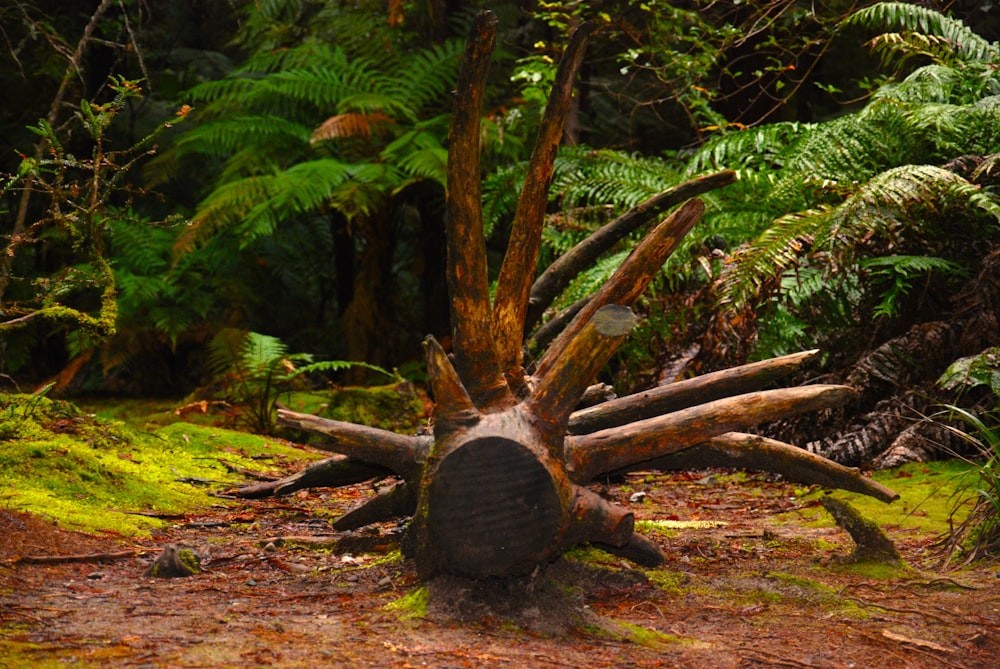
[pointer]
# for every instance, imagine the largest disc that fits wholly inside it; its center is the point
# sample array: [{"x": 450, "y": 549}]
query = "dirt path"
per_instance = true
[{"x": 765, "y": 590}]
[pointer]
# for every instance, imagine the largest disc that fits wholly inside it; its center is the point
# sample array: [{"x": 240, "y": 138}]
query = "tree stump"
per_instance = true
[{"x": 500, "y": 486}]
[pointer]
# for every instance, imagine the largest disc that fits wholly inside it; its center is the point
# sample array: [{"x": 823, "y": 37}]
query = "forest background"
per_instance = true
[{"x": 193, "y": 186}]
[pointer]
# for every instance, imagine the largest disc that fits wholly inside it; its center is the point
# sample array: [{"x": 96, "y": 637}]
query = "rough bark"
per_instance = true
[
  {"x": 736, "y": 450},
  {"x": 518, "y": 268},
  {"x": 475, "y": 350},
  {"x": 339, "y": 470},
  {"x": 368, "y": 444},
  {"x": 631, "y": 278},
  {"x": 683, "y": 394},
  {"x": 608, "y": 450}
]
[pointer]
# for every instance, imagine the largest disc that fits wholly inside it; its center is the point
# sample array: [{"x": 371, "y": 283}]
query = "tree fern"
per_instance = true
[{"x": 924, "y": 26}]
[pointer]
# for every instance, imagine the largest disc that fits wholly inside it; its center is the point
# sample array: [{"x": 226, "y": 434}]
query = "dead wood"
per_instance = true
[
  {"x": 590, "y": 455},
  {"x": 683, "y": 394},
  {"x": 475, "y": 351},
  {"x": 395, "y": 502},
  {"x": 871, "y": 544},
  {"x": 518, "y": 268},
  {"x": 369, "y": 444},
  {"x": 333, "y": 472},
  {"x": 68, "y": 559},
  {"x": 631, "y": 278},
  {"x": 749, "y": 451},
  {"x": 560, "y": 390}
]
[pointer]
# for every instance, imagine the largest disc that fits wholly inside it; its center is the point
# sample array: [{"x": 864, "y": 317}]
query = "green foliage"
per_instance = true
[
  {"x": 315, "y": 127},
  {"x": 860, "y": 210},
  {"x": 976, "y": 505},
  {"x": 982, "y": 369},
  {"x": 256, "y": 370},
  {"x": 80, "y": 204}
]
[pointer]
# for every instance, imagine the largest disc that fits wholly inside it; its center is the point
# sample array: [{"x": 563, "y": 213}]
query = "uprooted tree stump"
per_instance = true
[{"x": 500, "y": 486}]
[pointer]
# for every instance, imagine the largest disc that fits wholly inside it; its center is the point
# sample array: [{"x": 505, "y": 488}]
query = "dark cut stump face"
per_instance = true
[{"x": 496, "y": 509}]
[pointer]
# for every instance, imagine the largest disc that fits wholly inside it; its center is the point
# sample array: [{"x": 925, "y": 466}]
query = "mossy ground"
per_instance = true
[
  {"x": 99, "y": 475},
  {"x": 932, "y": 495}
]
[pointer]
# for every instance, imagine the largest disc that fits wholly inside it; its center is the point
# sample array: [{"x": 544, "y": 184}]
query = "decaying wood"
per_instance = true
[
  {"x": 514, "y": 283},
  {"x": 498, "y": 488},
  {"x": 871, "y": 544},
  {"x": 590, "y": 455},
  {"x": 369, "y": 444},
  {"x": 631, "y": 278},
  {"x": 475, "y": 349},
  {"x": 68, "y": 559},
  {"x": 737, "y": 450},
  {"x": 683, "y": 394},
  {"x": 559, "y": 391},
  {"x": 395, "y": 502},
  {"x": 333, "y": 472}
]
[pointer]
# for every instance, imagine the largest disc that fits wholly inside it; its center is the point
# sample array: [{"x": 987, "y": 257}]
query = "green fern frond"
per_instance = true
[
  {"x": 907, "y": 196},
  {"x": 260, "y": 352},
  {"x": 301, "y": 189},
  {"x": 966, "y": 44},
  {"x": 757, "y": 148},
  {"x": 774, "y": 252},
  {"x": 224, "y": 137},
  {"x": 425, "y": 79},
  {"x": 585, "y": 176}
]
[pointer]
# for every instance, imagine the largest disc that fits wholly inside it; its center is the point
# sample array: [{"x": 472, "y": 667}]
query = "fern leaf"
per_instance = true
[{"x": 967, "y": 44}]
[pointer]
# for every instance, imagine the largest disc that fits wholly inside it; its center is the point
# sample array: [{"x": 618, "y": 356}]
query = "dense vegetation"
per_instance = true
[{"x": 276, "y": 168}]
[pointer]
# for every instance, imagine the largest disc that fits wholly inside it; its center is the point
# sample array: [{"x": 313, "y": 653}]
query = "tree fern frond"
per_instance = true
[
  {"x": 350, "y": 124},
  {"x": 895, "y": 49},
  {"x": 760, "y": 147},
  {"x": 967, "y": 44},
  {"x": 769, "y": 256},
  {"x": 301, "y": 189},
  {"x": 585, "y": 176},
  {"x": 425, "y": 79},
  {"x": 224, "y": 137},
  {"x": 905, "y": 196}
]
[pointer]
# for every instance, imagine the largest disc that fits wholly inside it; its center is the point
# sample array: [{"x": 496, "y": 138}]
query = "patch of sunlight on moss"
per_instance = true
[
  {"x": 621, "y": 630},
  {"x": 411, "y": 606},
  {"x": 679, "y": 524},
  {"x": 589, "y": 554},
  {"x": 927, "y": 497},
  {"x": 668, "y": 581},
  {"x": 879, "y": 571},
  {"x": 97, "y": 475}
]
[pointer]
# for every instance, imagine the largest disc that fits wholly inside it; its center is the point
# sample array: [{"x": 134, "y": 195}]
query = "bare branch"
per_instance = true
[
  {"x": 518, "y": 269},
  {"x": 475, "y": 349},
  {"x": 616, "y": 448}
]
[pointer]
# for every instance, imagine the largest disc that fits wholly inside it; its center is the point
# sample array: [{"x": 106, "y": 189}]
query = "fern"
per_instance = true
[
  {"x": 255, "y": 370},
  {"x": 926, "y": 26}
]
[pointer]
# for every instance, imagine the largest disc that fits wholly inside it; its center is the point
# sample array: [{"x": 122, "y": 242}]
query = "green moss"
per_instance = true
[
  {"x": 93, "y": 474},
  {"x": 927, "y": 498},
  {"x": 876, "y": 570},
  {"x": 412, "y": 605},
  {"x": 397, "y": 406},
  {"x": 668, "y": 581}
]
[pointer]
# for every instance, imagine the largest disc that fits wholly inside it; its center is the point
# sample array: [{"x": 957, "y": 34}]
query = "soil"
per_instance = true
[{"x": 280, "y": 588}]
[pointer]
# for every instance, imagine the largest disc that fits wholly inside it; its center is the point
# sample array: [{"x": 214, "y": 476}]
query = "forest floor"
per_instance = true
[{"x": 757, "y": 576}]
